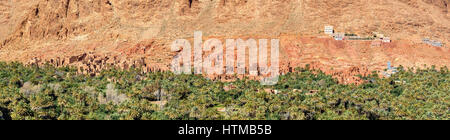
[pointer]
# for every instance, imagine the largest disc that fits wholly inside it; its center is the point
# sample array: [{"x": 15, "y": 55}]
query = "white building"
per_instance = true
[
  {"x": 328, "y": 30},
  {"x": 386, "y": 40},
  {"x": 338, "y": 36},
  {"x": 432, "y": 42},
  {"x": 436, "y": 44},
  {"x": 378, "y": 35}
]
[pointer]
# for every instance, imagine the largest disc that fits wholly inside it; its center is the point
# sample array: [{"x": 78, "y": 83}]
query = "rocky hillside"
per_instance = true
[{"x": 130, "y": 30}]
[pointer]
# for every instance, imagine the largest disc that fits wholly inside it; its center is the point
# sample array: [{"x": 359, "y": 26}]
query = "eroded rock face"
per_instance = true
[
  {"x": 109, "y": 20},
  {"x": 343, "y": 60},
  {"x": 96, "y": 34}
]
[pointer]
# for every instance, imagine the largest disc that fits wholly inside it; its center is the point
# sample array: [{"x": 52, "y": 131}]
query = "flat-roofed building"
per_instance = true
[
  {"x": 432, "y": 42},
  {"x": 436, "y": 44},
  {"x": 386, "y": 40},
  {"x": 338, "y": 36},
  {"x": 329, "y": 30},
  {"x": 378, "y": 35}
]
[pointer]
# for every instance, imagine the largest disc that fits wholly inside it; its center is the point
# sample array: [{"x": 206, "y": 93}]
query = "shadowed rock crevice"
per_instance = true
[{"x": 190, "y": 3}]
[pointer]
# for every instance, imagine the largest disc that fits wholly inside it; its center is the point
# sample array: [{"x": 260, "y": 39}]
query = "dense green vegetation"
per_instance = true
[{"x": 32, "y": 93}]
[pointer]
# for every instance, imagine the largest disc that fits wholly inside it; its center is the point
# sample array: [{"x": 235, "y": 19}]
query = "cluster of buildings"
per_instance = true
[
  {"x": 377, "y": 38},
  {"x": 390, "y": 70},
  {"x": 329, "y": 30},
  {"x": 381, "y": 37}
]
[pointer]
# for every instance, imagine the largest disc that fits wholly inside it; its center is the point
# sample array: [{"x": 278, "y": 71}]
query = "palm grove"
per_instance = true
[{"x": 49, "y": 93}]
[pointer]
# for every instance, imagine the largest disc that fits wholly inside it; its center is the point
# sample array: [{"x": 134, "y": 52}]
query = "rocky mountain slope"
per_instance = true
[{"x": 131, "y": 32}]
